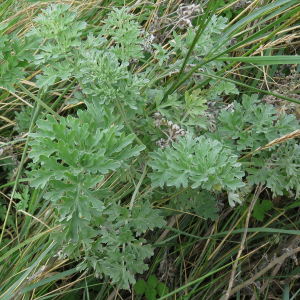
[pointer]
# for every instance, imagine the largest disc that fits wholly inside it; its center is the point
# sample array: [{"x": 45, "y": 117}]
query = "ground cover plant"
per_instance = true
[{"x": 144, "y": 138}]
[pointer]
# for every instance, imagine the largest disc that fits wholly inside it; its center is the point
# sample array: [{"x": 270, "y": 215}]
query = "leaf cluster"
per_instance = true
[
  {"x": 279, "y": 169},
  {"x": 152, "y": 289},
  {"x": 200, "y": 162},
  {"x": 204, "y": 45},
  {"x": 251, "y": 125},
  {"x": 15, "y": 54},
  {"x": 74, "y": 155},
  {"x": 97, "y": 68},
  {"x": 125, "y": 32},
  {"x": 202, "y": 203}
]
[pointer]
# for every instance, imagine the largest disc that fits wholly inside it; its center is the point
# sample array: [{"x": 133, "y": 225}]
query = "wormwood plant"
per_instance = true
[
  {"x": 251, "y": 125},
  {"x": 116, "y": 135},
  {"x": 90, "y": 146},
  {"x": 75, "y": 153}
]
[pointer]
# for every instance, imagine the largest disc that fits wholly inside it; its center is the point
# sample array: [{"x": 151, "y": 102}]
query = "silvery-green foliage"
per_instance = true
[
  {"x": 252, "y": 125},
  {"x": 23, "y": 118},
  {"x": 187, "y": 114},
  {"x": 73, "y": 156},
  {"x": 59, "y": 26},
  {"x": 58, "y": 22},
  {"x": 203, "y": 164},
  {"x": 91, "y": 146},
  {"x": 125, "y": 31},
  {"x": 278, "y": 169},
  {"x": 98, "y": 68},
  {"x": 199, "y": 162},
  {"x": 76, "y": 153},
  {"x": 15, "y": 54},
  {"x": 107, "y": 80},
  {"x": 202, "y": 203}
]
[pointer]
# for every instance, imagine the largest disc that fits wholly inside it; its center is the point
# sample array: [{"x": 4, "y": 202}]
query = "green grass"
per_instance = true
[{"x": 193, "y": 256}]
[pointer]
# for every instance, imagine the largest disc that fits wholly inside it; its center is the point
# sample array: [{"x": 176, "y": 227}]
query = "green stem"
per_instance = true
[
  {"x": 19, "y": 172},
  {"x": 64, "y": 93},
  {"x": 39, "y": 101},
  {"x": 185, "y": 116},
  {"x": 138, "y": 186},
  {"x": 128, "y": 125}
]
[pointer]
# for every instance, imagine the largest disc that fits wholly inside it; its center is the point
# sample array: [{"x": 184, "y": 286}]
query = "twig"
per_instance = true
[
  {"x": 291, "y": 242},
  {"x": 261, "y": 290},
  {"x": 279, "y": 261},
  {"x": 171, "y": 222}
]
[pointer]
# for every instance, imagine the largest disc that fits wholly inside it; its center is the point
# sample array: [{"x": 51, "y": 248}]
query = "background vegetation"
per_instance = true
[{"x": 247, "y": 249}]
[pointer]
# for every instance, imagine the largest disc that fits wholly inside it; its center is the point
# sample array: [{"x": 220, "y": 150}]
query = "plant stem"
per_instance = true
[
  {"x": 138, "y": 186},
  {"x": 39, "y": 101},
  {"x": 128, "y": 125},
  {"x": 18, "y": 174}
]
